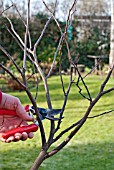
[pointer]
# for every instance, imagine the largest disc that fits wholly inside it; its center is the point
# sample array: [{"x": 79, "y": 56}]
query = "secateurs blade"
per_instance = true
[{"x": 44, "y": 113}]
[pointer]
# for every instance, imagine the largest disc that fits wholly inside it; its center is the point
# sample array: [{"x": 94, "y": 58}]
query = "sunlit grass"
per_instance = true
[{"x": 92, "y": 148}]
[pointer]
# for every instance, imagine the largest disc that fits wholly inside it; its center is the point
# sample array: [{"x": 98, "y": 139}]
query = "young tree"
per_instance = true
[{"x": 29, "y": 55}]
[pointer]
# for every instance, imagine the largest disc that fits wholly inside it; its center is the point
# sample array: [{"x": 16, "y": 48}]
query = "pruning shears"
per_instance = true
[{"x": 43, "y": 114}]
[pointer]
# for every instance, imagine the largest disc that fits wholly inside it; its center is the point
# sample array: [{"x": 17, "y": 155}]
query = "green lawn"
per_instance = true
[{"x": 92, "y": 148}]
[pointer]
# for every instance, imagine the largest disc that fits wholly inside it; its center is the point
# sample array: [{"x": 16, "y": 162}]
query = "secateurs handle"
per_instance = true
[
  {"x": 11, "y": 112},
  {"x": 7, "y": 112},
  {"x": 27, "y": 128}
]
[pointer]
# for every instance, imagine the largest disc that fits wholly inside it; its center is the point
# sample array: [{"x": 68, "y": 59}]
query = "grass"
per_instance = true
[{"x": 92, "y": 148}]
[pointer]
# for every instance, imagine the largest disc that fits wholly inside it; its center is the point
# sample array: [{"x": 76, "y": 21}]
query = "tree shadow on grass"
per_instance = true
[{"x": 97, "y": 156}]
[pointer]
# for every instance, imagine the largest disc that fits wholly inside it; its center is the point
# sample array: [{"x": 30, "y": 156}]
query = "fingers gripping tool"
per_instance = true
[{"x": 43, "y": 114}]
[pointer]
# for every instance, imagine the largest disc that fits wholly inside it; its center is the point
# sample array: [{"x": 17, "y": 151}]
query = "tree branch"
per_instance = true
[
  {"x": 77, "y": 84},
  {"x": 25, "y": 47},
  {"x": 11, "y": 58},
  {"x": 90, "y": 117},
  {"x": 107, "y": 78},
  {"x": 12, "y": 75},
  {"x": 6, "y": 9},
  {"x": 16, "y": 35}
]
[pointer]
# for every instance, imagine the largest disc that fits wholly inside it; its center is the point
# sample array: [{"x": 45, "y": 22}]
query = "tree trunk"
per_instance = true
[
  {"x": 39, "y": 160},
  {"x": 111, "y": 57}
]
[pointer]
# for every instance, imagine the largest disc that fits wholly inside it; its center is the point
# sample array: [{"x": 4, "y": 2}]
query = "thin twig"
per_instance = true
[
  {"x": 23, "y": 23},
  {"x": 77, "y": 84},
  {"x": 101, "y": 114},
  {"x": 66, "y": 130},
  {"x": 61, "y": 78},
  {"x": 99, "y": 60},
  {"x": 80, "y": 89},
  {"x": 11, "y": 58},
  {"x": 6, "y": 9},
  {"x": 55, "y": 55},
  {"x": 17, "y": 35},
  {"x": 42, "y": 33},
  {"x": 13, "y": 76},
  {"x": 68, "y": 18},
  {"x": 108, "y": 91},
  {"x": 64, "y": 105},
  {"x": 18, "y": 13},
  {"x": 26, "y": 36},
  {"x": 107, "y": 78}
]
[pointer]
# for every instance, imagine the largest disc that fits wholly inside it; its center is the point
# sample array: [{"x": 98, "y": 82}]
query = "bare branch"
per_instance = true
[
  {"x": 26, "y": 35},
  {"x": 23, "y": 22},
  {"x": 68, "y": 18},
  {"x": 18, "y": 12},
  {"x": 98, "y": 62},
  {"x": 12, "y": 75},
  {"x": 101, "y": 114},
  {"x": 11, "y": 58},
  {"x": 61, "y": 78},
  {"x": 80, "y": 78},
  {"x": 15, "y": 38},
  {"x": 107, "y": 78},
  {"x": 16, "y": 35},
  {"x": 107, "y": 91},
  {"x": 64, "y": 105},
  {"x": 12, "y": 28},
  {"x": 80, "y": 89},
  {"x": 6, "y": 9},
  {"x": 55, "y": 55},
  {"x": 66, "y": 130},
  {"x": 42, "y": 33},
  {"x": 43, "y": 137},
  {"x": 52, "y": 122}
]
